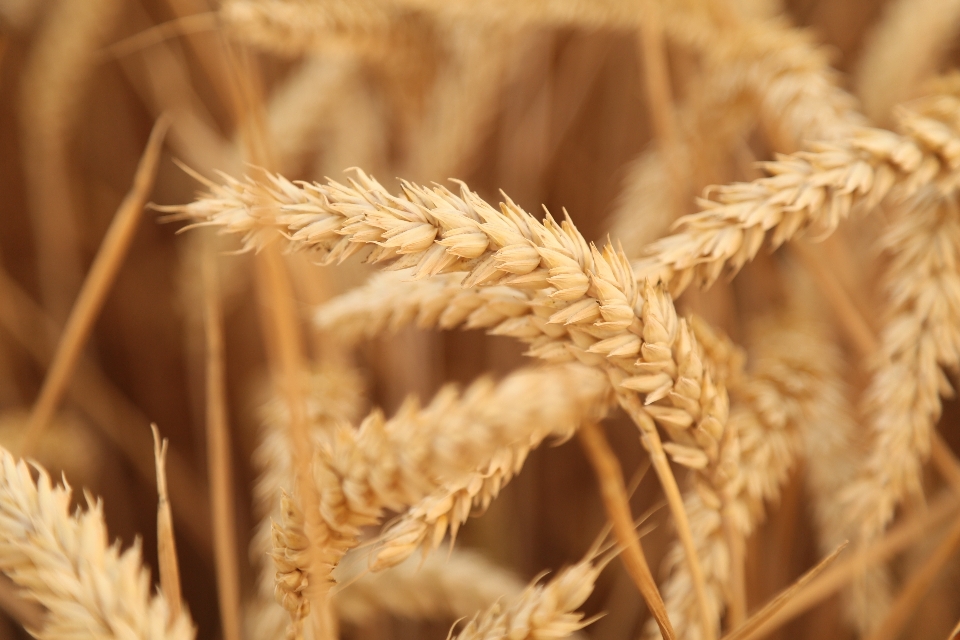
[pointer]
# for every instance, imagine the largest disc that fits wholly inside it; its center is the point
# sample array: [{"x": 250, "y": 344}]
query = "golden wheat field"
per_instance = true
[{"x": 479, "y": 319}]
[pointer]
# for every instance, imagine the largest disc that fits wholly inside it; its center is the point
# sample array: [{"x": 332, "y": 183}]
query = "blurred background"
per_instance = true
[{"x": 557, "y": 114}]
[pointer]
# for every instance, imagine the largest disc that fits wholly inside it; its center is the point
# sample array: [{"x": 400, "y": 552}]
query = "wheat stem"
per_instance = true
[
  {"x": 617, "y": 504},
  {"x": 166, "y": 544},
  {"x": 651, "y": 442},
  {"x": 896, "y": 539},
  {"x": 113, "y": 250},
  {"x": 110, "y": 411},
  {"x": 917, "y": 586},
  {"x": 220, "y": 468},
  {"x": 747, "y": 627}
]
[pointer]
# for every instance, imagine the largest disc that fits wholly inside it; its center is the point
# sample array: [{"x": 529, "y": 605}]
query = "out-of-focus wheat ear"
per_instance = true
[
  {"x": 463, "y": 102},
  {"x": 451, "y": 585},
  {"x": 398, "y": 463},
  {"x": 901, "y": 51},
  {"x": 544, "y": 610},
  {"x": 616, "y": 501},
  {"x": 64, "y": 562},
  {"x": 902, "y": 403},
  {"x": 392, "y": 300},
  {"x": 298, "y": 109},
  {"x": 166, "y": 544},
  {"x": 333, "y": 394},
  {"x": 103, "y": 272},
  {"x": 61, "y": 63},
  {"x": 662, "y": 183},
  {"x": 287, "y": 363},
  {"x": 917, "y": 585},
  {"x": 290, "y": 28},
  {"x": 426, "y": 523}
]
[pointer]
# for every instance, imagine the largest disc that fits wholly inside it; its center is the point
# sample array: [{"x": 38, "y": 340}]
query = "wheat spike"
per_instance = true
[
  {"x": 392, "y": 464},
  {"x": 334, "y": 394},
  {"x": 809, "y": 191},
  {"x": 64, "y": 563},
  {"x": 427, "y": 521},
  {"x": 546, "y": 610},
  {"x": 438, "y": 586},
  {"x": 890, "y": 70},
  {"x": 587, "y": 304},
  {"x": 902, "y": 403}
]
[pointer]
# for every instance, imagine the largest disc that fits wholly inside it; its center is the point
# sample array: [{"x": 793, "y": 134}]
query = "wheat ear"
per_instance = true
[
  {"x": 902, "y": 403},
  {"x": 392, "y": 464},
  {"x": 808, "y": 191},
  {"x": 889, "y": 70},
  {"x": 454, "y": 585},
  {"x": 546, "y": 610},
  {"x": 586, "y": 305},
  {"x": 333, "y": 394},
  {"x": 64, "y": 562},
  {"x": 447, "y": 508}
]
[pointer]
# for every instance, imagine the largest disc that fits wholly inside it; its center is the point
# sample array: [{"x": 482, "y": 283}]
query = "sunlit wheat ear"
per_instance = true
[
  {"x": 392, "y": 464},
  {"x": 811, "y": 191},
  {"x": 64, "y": 562}
]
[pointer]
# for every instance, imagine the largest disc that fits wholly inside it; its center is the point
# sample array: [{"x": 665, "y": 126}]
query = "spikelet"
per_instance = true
[{"x": 63, "y": 562}]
